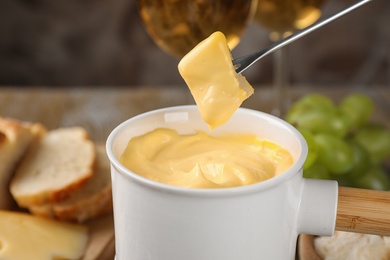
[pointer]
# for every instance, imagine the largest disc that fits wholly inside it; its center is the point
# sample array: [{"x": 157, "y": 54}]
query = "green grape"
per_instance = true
[
  {"x": 315, "y": 100},
  {"x": 334, "y": 153},
  {"x": 308, "y": 103},
  {"x": 323, "y": 120},
  {"x": 376, "y": 140},
  {"x": 316, "y": 171},
  {"x": 375, "y": 179},
  {"x": 293, "y": 114},
  {"x": 342, "y": 144},
  {"x": 358, "y": 108},
  {"x": 313, "y": 148},
  {"x": 362, "y": 162}
]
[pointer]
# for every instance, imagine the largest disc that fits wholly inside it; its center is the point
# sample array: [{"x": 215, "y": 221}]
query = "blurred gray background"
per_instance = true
[{"x": 104, "y": 43}]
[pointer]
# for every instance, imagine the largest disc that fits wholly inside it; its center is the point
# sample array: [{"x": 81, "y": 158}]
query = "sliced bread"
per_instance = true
[
  {"x": 92, "y": 200},
  {"x": 57, "y": 164},
  {"x": 15, "y": 138}
]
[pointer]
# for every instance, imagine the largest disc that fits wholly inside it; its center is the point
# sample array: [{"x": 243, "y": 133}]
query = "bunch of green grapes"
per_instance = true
[{"x": 344, "y": 144}]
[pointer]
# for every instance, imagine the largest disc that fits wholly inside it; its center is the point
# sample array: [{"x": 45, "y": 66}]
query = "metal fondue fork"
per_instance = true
[{"x": 242, "y": 63}]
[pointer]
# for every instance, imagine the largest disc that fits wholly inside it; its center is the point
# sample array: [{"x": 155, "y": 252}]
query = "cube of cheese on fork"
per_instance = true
[{"x": 211, "y": 77}]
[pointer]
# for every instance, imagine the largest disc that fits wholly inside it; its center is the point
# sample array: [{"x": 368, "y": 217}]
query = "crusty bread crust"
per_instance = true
[
  {"x": 15, "y": 138},
  {"x": 59, "y": 163},
  {"x": 93, "y": 200},
  {"x": 97, "y": 205}
]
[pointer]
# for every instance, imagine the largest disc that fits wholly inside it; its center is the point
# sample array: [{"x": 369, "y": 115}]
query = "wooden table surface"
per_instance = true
[{"x": 99, "y": 110}]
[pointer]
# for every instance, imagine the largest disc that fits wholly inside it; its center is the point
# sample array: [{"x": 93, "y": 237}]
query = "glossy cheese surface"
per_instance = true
[
  {"x": 210, "y": 75},
  {"x": 204, "y": 161}
]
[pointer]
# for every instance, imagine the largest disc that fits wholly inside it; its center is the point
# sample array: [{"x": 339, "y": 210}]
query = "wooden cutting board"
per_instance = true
[{"x": 101, "y": 245}]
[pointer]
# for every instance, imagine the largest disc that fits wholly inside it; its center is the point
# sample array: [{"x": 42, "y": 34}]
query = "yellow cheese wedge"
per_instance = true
[
  {"x": 210, "y": 75},
  {"x": 23, "y": 236}
]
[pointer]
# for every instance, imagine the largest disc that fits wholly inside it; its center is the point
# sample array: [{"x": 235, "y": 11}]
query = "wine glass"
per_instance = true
[
  {"x": 177, "y": 26},
  {"x": 282, "y": 18}
]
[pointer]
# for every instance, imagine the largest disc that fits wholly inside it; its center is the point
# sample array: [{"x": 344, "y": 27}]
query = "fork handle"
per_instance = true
[
  {"x": 363, "y": 211},
  {"x": 242, "y": 63}
]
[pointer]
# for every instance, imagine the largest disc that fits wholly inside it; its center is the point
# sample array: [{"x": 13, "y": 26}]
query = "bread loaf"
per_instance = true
[
  {"x": 57, "y": 164},
  {"x": 92, "y": 200},
  {"x": 15, "y": 138}
]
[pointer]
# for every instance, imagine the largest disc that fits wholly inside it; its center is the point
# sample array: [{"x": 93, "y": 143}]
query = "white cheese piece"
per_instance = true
[{"x": 351, "y": 246}]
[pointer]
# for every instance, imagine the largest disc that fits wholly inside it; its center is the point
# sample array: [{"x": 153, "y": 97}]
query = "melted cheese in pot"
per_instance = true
[
  {"x": 203, "y": 161},
  {"x": 210, "y": 75}
]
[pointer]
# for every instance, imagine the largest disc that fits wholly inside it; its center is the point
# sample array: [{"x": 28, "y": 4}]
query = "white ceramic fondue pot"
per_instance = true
[{"x": 155, "y": 221}]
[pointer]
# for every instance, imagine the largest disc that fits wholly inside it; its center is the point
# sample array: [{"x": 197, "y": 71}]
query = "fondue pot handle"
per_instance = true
[{"x": 363, "y": 211}]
